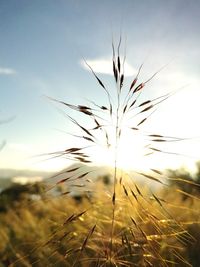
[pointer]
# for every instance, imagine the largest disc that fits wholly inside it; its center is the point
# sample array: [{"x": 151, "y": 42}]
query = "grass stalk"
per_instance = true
[{"x": 136, "y": 237}]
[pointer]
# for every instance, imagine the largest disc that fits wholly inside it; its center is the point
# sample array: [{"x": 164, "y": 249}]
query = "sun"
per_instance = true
[{"x": 129, "y": 153}]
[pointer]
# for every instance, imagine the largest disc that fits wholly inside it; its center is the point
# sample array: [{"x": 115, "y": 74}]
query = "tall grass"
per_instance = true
[
  {"x": 123, "y": 223},
  {"x": 137, "y": 239}
]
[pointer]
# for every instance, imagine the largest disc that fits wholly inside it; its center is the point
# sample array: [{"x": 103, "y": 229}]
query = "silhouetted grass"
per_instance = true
[
  {"x": 128, "y": 241},
  {"x": 120, "y": 224}
]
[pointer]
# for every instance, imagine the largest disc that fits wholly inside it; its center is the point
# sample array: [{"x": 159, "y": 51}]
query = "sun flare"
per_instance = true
[{"x": 131, "y": 150}]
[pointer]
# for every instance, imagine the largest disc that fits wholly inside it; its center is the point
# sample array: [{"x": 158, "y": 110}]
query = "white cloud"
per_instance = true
[
  {"x": 7, "y": 71},
  {"x": 104, "y": 66}
]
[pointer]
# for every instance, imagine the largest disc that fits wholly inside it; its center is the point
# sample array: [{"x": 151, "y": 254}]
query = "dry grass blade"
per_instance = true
[
  {"x": 151, "y": 177},
  {"x": 177, "y": 255},
  {"x": 146, "y": 109},
  {"x": 135, "y": 129},
  {"x": 115, "y": 72},
  {"x": 138, "y": 190},
  {"x": 87, "y": 237},
  {"x": 187, "y": 194},
  {"x": 164, "y": 136},
  {"x": 155, "y": 149},
  {"x": 74, "y": 217},
  {"x": 134, "y": 195},
  {"x": 98, "y": 106},
  {"x": 72, "y": 149},
  {"x": 88, "y": 139},
  {"x": 82, "y": 159},
  {"x": 148, "y": 80},
  {"x": 121, "y": 81},
  {"x": 145, "y": 103},
  {"x": 157, "y": 199},
  {"x": 183, "y": 181},
  {"x": 84, "y": 109},
  {"x": 73, "y": 169},
  {"x": 99, "y": 81},
  {"x": 125, "y": 191},
  {"x": 168, "y": 152},
  {"x": 111, "y": 109},
  {"x": 63, "y": 180},
  {"x": 65, "y": 193},
  {"x": 156, "y": 135},
  {"x": 135, "y": 80},
  {"x": 134, "y": 222},
  {"x": 133, "y": 83},
  {"x": 160, "y": 140},
  {"x": 97, "y": 123},
  {"x": 83, "y": 128},
  {"x": 133, "y": 103},
  {"x": 83, "y": 175},
  {"x": 141, "y": 122},
  {"x": 157, "y": 171},
  {"x": 113, "y": 198},
  {"x": 139, "y": 87},
  {"x": 107, "y": 139},
  {"x": 118, "y": 56},
  {"x": 125, "y": 108}
]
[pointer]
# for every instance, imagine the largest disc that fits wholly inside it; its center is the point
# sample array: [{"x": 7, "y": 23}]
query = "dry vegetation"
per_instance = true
[
  {"x": 65, "y": 231},
  {"x": 119, "y": 223}
]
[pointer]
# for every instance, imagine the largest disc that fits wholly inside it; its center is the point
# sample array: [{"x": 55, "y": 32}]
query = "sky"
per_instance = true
[{"x": 42, "y": 47}]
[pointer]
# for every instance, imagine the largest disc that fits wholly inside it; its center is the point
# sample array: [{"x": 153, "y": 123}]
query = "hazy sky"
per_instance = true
[{"x": 42, "y": 44}]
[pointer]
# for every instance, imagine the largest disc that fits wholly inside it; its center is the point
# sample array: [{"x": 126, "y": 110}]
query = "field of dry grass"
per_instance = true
[{"x": 67, "y": 231}]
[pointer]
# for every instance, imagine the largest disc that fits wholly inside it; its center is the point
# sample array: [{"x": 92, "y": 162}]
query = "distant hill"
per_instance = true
[
  {"x": 79, "y": 177},
  {"x": 74, "y": 172},
  {"x": 7, "y": 175},
  {"x": 79, "y": 168}
]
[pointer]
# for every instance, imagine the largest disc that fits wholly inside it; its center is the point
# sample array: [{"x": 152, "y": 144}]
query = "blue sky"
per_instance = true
[{"x": 42, "y": 43}]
